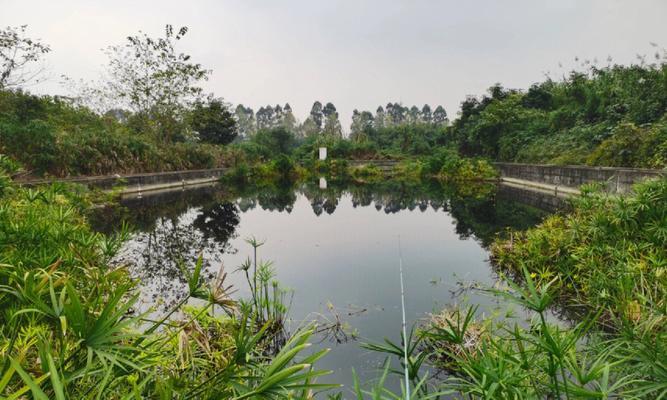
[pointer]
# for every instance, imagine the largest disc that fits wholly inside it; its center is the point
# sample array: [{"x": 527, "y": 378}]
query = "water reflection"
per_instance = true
[
  {"x": 174, "y": 228},
  {"x": 218, "y": 221},
  {"x": 335, "y": 246}
]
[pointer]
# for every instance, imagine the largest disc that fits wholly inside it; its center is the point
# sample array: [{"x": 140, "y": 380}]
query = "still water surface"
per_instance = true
[{"x": 336, "y": 248}]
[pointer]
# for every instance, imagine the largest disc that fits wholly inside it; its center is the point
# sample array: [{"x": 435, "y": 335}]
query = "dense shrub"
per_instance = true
[
  {"x": 213, "y": 122},
  {"x": 366, "y": 174},
  {"x": 632, "y": 146},
  {"x": 573, "y": 121},
  {"x": 609, "y": 254},
  {"x": 49, "y": 136},
  {"x": 283, "y": 166}
]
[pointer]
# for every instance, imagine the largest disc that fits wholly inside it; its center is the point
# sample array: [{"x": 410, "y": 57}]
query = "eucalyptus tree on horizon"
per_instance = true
[
  {"x": 440, "y": 116},
  {"x": 245, "y": 119},
  {"x": 332, "y": 126}
]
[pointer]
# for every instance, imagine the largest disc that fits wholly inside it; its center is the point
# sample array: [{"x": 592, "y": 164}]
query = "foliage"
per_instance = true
[
  {"x": 68, "y": 328},
  {"x": 366, "y": 173},
  {"x": 17, "y": 53},
  {"x": 283, "y": 166},
  {"x": 212, "y": 122},
  {"x": 507, "y": 360},
  {"x": 609, "y": 254},
  {"x": 266, "y": 144},
  {"x": 447, "y": 165},
  {"x": 494, "y": 358},
  {"x": 150, "y": 77},
  {"x": 632, "y": 146},
  {"x": 50, "y": 136},
  {"x": 612, "y": 116}
]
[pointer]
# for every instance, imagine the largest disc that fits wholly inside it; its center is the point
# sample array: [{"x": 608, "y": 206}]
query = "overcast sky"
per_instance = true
[{"x": 356, "y": 54}]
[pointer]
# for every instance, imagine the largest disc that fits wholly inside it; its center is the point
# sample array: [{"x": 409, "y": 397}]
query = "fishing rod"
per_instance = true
[{"x": 405, "y": 336}]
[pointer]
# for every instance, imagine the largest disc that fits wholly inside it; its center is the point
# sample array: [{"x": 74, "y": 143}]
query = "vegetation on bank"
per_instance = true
[
  {"x": 609, "y": 254},
  {"x": 54, "y": 264},
  {"x": 50, "y": 136},
  {"x": 612, "y": 115},
  {"x": 70, "y": 326},
  {"x": 603, "y": 266},
  {"x": 149, "y": 113}
]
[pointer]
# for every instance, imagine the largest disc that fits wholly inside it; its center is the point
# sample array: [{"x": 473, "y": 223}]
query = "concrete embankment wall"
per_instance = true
[
  {"x": 143, "y": 182},
  {"x": 616, "y": 180}
]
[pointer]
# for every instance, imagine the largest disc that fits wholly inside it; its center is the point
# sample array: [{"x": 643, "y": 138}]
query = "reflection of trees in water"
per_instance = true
[
  {"x": 277, "y": 197},
  {"x": 175, "y": 231},
  {"x": 393, "y": 197},
  {"x": 475, "y": 207},
  {"x": 487, "y": 217},
  {"x": 218, "y": 221},
  {"x": 280, "y": 200},
  {"x": 322, "y": 200},
  {"x": 157, "y": 256}
]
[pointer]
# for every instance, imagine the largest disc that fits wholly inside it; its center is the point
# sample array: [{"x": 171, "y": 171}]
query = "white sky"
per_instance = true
[{"x": 356, "y": 54}]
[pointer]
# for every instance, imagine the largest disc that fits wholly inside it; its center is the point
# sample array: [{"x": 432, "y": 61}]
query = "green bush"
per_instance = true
[
  {"x": 632, "y": 146},
  {"x": 238, "y": 174},
  {"x": 68, "y": 329},
  {"x": 49, "y": 136},
  {"x": 607, "y": 255},
  {"x": 283, "y": 166},
  {"x": 366, "y": 174},
  {"x": 573, "y": 121}
]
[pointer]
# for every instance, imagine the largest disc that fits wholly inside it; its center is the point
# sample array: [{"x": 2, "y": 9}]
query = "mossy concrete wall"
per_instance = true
[
  {"x": 144, "y": 182},
  {"x": 615, "y": 180}
]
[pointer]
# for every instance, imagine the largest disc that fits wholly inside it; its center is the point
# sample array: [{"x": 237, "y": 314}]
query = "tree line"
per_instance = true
[
  {"x": 324, "y": 119},
  {"x": 611, "y": 115}
]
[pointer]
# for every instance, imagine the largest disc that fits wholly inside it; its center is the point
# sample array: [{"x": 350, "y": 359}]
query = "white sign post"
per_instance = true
[{"x": 323, "y": 153}]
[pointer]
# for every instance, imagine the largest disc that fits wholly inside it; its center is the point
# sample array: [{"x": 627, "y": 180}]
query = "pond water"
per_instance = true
[{"x": 336, "y": 248}]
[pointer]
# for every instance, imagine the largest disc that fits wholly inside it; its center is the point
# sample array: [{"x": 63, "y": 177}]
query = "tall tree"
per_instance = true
[
  {"x": 277, "y": 115},
  {"x": 149, "y": 76},
  {"x": 414, "y": 115},
  {"x": 366, "y": 120},
  {"x": 265, "y": 118},
  {"x": 380, "y": 118},
  {"x": 356, "y": 129},
  {"x": 440, "y": 116},
  {"x": 288, "y": 119},
  {"x": 308, "y": 128},
  {"x": 362, "y": 124},
  {"x": 19, "y": 55},
  {"x": 332, "y": 125},
  {"x": 213, "y": 122},
  {"x": 426, "y": 115},
  {"x": 396, "y": 113},
  {"x": 316, "y": 115},
  {"x": 245, "y": 120}
]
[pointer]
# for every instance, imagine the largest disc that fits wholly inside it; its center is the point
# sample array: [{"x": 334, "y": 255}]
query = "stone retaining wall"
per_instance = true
[
  {"x": 134, "y": 181},
  {"x": 616, "y": 180}
]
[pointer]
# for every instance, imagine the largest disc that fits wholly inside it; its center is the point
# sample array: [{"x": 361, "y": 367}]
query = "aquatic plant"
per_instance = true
[{"x": 505, "y": 359}]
